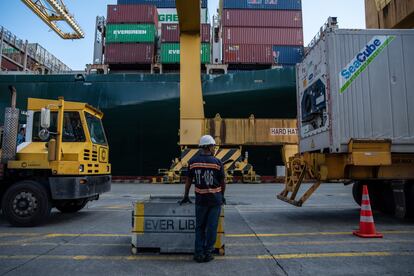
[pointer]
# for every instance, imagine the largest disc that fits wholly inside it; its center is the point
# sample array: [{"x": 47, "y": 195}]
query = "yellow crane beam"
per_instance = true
[
  {"x": 191, "y": 97},
  {"x": 51, "y": 11}
]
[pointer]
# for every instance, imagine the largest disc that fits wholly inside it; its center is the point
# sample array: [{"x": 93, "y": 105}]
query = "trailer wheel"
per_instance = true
[
  {"x": 26, "y": 203},
  {"x": 388, "y": 202},
  {"x": 410, "y": 200},
  {"x": 357, "y": 192},
  {"x": 376, "y": 194},
  {"x": 71, "y": 206}
]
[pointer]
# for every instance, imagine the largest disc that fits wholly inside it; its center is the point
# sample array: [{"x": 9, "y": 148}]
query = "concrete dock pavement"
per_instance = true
[{"x": 264, "y": 236}]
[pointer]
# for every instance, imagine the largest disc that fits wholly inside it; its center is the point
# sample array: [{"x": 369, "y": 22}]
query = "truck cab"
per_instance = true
[{"x": 63, "y": 161}]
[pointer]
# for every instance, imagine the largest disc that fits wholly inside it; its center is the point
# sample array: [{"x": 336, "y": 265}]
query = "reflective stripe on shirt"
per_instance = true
[
  {"x": 205, "y": 166},
  {"x": 208, "y": 191}
]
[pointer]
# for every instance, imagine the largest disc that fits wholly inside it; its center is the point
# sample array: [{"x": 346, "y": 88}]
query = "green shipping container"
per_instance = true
[
  {"x": 116, "y": 33},
  {"x": 170, "y": 53}
]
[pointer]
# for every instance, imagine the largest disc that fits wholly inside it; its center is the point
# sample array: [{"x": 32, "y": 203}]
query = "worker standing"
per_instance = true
[{"x": 208, "y": 174}]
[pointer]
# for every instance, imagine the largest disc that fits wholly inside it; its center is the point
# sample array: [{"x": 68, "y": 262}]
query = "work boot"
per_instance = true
[
  {"x": 208, "y": 257},
  {"x": 199, "y": 258}
]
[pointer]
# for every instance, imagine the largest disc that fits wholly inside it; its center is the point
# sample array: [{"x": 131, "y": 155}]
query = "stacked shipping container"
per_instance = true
[
  {"x": 170, "y": 44},
  {"x": 266, "y": 32},
  {"x": 167, "y": 12},
  {"x": 157, "y": 3},
  {"x": 168, "y": 31},
  {"x": 131, "y": 33}
]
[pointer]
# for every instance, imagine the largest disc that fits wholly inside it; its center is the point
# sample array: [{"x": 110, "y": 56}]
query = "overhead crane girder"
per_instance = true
[{"x": 53, "y": 11}]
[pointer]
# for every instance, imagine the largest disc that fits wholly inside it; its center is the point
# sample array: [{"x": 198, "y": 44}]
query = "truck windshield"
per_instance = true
[
  {"x": 96, "y": 130},
  {"x": 72, "y": 127}
]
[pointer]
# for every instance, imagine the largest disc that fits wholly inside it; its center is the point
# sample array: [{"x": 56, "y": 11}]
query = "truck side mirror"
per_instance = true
[
  {"x": 45, "y": 118},
  {"x": 44, "y": 134}
]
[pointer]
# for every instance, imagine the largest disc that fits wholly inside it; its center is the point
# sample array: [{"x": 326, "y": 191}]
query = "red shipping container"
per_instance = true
[
  {"x": 129, "y": 53},
  {"x": 262, "y": 18},
  {"x": 135, "y": 14},
  {"x": 171, "y": 33},
  {"x": 9, "y": 66},
  {"x": 247, "y": 54},
  {"x": 274, "y": 36}
]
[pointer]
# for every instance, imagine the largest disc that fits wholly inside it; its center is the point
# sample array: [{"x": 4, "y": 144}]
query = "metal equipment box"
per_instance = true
[
  {"x": 160, "y": 224},
  {"x": 357, "y": 84}
]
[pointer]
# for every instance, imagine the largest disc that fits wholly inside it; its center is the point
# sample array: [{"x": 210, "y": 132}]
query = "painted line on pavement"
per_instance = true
[
  {"x": 189, "y": 257},
  {"x": 64, "y": 244},
  {"x": 307, "y": 234},
  {"x": 241, "y": 235},
  {"x": 305, "y": 243},
  {"x": 299, "y": 243}
]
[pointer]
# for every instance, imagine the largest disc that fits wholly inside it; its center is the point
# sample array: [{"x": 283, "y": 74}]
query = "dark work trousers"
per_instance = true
[{"x": 207, "y": 218}]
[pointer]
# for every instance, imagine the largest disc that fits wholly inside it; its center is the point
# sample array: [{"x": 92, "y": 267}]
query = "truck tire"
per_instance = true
[
  {"x": 388, "y": 203},
  {"x": 26, "y": 203},
  {"x": 71, "y": 206},
  {"x": 375, "y": 191},
  {"x": 357, "y": 193},
  {"x": 410, "y": 200}
]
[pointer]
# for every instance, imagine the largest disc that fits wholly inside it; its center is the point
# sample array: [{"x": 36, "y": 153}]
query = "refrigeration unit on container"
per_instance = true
[
  {"x": 257, "y": 35},
  {"x": 157, "y": 3},
  {"x": 170, "y": 53},
  {"x": 171, "y": 33},
  {"x": 262, "y": 18},
  {"x": 357, "y": 84},
  {"x": 287, "y": 55},
  {"x": 129, "y": 53},
  {"x": 262, "y": 4},
  {"x": 129, "y": 33},
  {"x": 247, "y": 54},
  {"x": 136, "y": 14}
]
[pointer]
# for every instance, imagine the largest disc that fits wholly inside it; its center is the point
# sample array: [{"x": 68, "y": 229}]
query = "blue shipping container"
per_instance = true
[
  {"x": 158, "y": 3},
  {"x": 285, "y": 55},
  {"x": 263, "y": 4}
]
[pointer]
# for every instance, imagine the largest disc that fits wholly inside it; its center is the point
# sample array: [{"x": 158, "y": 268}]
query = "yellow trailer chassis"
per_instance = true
[{"x": 366, "y": 162}]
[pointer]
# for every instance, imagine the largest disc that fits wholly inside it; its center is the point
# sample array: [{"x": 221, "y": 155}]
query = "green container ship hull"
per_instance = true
[{"x": 142, "y": 111}]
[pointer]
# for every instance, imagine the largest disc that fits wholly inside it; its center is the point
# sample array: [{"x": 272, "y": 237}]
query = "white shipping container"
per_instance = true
[{"x": 357, "y": 84}]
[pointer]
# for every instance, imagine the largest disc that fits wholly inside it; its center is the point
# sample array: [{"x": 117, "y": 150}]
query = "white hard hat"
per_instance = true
[{"x": 207, "y": 140}]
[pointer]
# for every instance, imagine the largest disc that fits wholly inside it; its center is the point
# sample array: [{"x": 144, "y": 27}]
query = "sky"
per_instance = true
[{"x": 19, "y": 19}]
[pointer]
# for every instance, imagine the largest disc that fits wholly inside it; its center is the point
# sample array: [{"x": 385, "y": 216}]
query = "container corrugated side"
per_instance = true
[
  {"x": 127, "y": 33},
  {"x": 367, "y": 76},
  {"x": 247, "y": 54},
  {"x": 171, "y": 33},
  {"x": 169, "y": 15},
  {"x": 170, "y": 53},
  {"x": 132, "y": 14},
  {"x": 157, "y": 3},
  {"x": 287, "y": 55},
  {"x": 263, "y": 4},
  {"x": 129, "y": 53},
  {"x": 262, "y": 18},
  {"x": 272, "y": 36}
]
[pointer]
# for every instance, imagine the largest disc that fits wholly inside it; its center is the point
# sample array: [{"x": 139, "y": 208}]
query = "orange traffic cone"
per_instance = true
[{"x": 366, "y": 223}]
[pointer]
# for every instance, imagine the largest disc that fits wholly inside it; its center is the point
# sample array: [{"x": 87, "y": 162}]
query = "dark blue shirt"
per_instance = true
[{"x": 207, "y": 173}]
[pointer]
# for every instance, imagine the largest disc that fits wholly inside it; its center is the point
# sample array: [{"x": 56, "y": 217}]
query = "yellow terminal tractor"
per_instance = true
[{"x": 63, "y": 162}]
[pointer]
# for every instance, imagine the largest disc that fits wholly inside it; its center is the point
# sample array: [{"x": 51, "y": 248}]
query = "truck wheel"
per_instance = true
[
  {"x": 357, "y": 192},
  {"x": 388, "y": 203},
  {"x": 26, "y": 203},
  {"x": 71, "y": 206},
  {"x": 410, "y": 200},
  {"x": 375, "y": 194}
]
